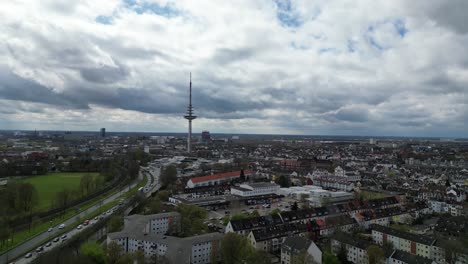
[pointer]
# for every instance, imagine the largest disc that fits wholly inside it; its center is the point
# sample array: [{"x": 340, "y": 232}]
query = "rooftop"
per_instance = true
[
  {"x": 219, "y": 176},
  {"x": 401, "y": 234}
]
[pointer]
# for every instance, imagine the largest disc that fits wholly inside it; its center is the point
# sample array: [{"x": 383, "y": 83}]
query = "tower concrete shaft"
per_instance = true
[{"x": 189, "y": 116}]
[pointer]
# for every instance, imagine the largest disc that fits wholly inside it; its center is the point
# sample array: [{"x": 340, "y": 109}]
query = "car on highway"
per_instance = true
[
  {"x": 48, "y": 244},
  {"x": 79, "y": 227},
  {"x": 39, "y": 249},
  {"x": 28, "y": 255},
  {"x": 56, "y": 239},
  {"x": 50, "y": 229},
  {"x": 62, "y": 226}
]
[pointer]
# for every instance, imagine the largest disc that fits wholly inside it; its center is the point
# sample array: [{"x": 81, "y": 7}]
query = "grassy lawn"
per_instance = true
[
  {"x": 402, "y": 227},
  {"x": 366, "y": 195},
  {"x": 26, "y": 234},
  {"x": 48, "y": 185}
]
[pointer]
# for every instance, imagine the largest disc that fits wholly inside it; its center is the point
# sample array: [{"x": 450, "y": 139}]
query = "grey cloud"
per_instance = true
[
  {"x": 451, "y": 14},
  {"x": 226, "y": 56},
  {"x": 353, "y": 114},
  {"x": 13, "y": 87},
  {"x": 105, "y": 74}
]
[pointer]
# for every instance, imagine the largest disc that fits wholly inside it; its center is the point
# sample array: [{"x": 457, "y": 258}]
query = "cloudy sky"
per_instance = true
[{"x": 347, "y": 67}]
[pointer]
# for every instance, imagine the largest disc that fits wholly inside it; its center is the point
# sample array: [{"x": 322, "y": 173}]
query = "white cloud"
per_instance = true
[{"x": 348, "y": 67}]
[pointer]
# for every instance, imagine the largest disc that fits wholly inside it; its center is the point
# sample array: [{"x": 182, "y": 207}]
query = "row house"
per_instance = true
[
  {"x": 270, "y": 239},
  {"x": 443, "y": 207},
  {"x": 244, "y": 226},
  {"x": 414, "y": 244},
  {"x": 355, "y": 248},
  {"x": 334, "y": 182}
]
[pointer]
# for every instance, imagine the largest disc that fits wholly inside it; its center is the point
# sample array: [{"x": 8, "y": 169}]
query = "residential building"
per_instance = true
[
  {"x": 293, "y": 246},
  {"x": 415, "y": 244},
  {"x": 355, "y": 248},
  {"x": 145, "y": 233},
  {"x": 402, "y": 257},
  {"x": 271, "y": 238}
]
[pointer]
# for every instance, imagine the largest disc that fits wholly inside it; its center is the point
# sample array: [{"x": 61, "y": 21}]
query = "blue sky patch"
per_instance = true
[
  {"x": 167, "y": 10},
  {"x": 400, "y": 27},
  {"x": 286, "y": 15},
  {"x": 106, "y": 20}
]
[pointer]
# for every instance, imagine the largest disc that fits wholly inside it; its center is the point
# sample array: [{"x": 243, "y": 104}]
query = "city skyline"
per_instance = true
[{"x": 374, "y": 68}]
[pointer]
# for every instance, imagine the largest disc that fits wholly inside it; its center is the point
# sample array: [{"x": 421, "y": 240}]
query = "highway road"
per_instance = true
[{"x": 34, "y": 242}]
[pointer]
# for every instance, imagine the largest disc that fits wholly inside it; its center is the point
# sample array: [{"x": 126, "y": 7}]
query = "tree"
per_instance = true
[
  {"x": 254, "y": 213},
  {"x": 275, "y": 211},
  {"x": 242, "y": 176},
  {"x": 125, "y": 259},
  {"x": 4, "y": 233},
  {"x": 164, "y": 195},
  {"x": 115, "y": 224},
  {"x": 86, "y": 183},
  {"x": 192, "y": 220},
  {"x": 329, "y": 258},
  {"x": 342, "y": 256},
  {"x": 294, "y": 207},
  {"x": 62, "y": 199},
  {"x": 114, "y": 251},
  {"x": 154, "y": 206},
  {"x": 387, "y": 246},
  {"x": 168, "y": 175},
  {"x": 283, "y": 181},
  {"x": 258, "y": 257},
  {"x": 235, "y": 249},
  {"x": 27, "y": 196},
  {"x": 94, "y": 252},
  {"x": 302, "y": 258},
  {"x": 324, "y": 201},
  {"x": 139, "y": 256},
  {"x": 375, "y": 253}
]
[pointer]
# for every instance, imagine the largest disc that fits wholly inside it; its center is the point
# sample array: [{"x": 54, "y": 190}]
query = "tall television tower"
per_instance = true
[{"x": 190, "y": 117}]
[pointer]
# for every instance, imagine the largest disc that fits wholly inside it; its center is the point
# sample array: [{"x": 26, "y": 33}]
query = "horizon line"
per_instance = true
[{"x": 231, "y": 133}]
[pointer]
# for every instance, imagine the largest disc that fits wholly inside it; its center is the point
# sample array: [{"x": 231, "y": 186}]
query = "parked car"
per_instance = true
[
  {"x": 79, "y": 227},
  {"x": 56, "y": 239},
  {"x": 28, "y": 255},
  {"x": 39, "y": 249},
  {"x": 64, "y": 237},
  {"x": 50, "y": 229},
  {"x": 86, "y": 222},
  {"x": 62, "y": 226},
  {"x": 48, "y": 244}
]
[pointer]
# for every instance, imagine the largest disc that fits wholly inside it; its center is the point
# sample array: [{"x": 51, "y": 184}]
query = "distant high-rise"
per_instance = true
[
  {"x": 103, "y": 132},
  {"x": 190, "y": 117},
  {"x": 205, "y": 136}
]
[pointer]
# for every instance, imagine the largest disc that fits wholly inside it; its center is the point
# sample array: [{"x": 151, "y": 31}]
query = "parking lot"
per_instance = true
[{"x": 264, "y": 208}]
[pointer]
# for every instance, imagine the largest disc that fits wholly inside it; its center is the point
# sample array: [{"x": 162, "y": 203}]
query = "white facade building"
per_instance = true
[
  {"x": 255, "y": 189},
  {"x": 147, "y": 234}
]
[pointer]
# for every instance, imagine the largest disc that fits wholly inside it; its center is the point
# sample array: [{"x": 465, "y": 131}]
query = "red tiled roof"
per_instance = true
[
  {"x": 219, "y": 176},
  {"x": 320, "y": 222}
]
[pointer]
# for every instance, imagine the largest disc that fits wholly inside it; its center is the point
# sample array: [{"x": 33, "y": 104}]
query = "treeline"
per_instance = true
[
  {"x": 23, "y": 168},
  {"x": 18, "y": 200}
]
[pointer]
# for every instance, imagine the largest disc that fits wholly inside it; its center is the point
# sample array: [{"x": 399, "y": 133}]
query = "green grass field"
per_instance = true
[{"x": 48, "y": 185}]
